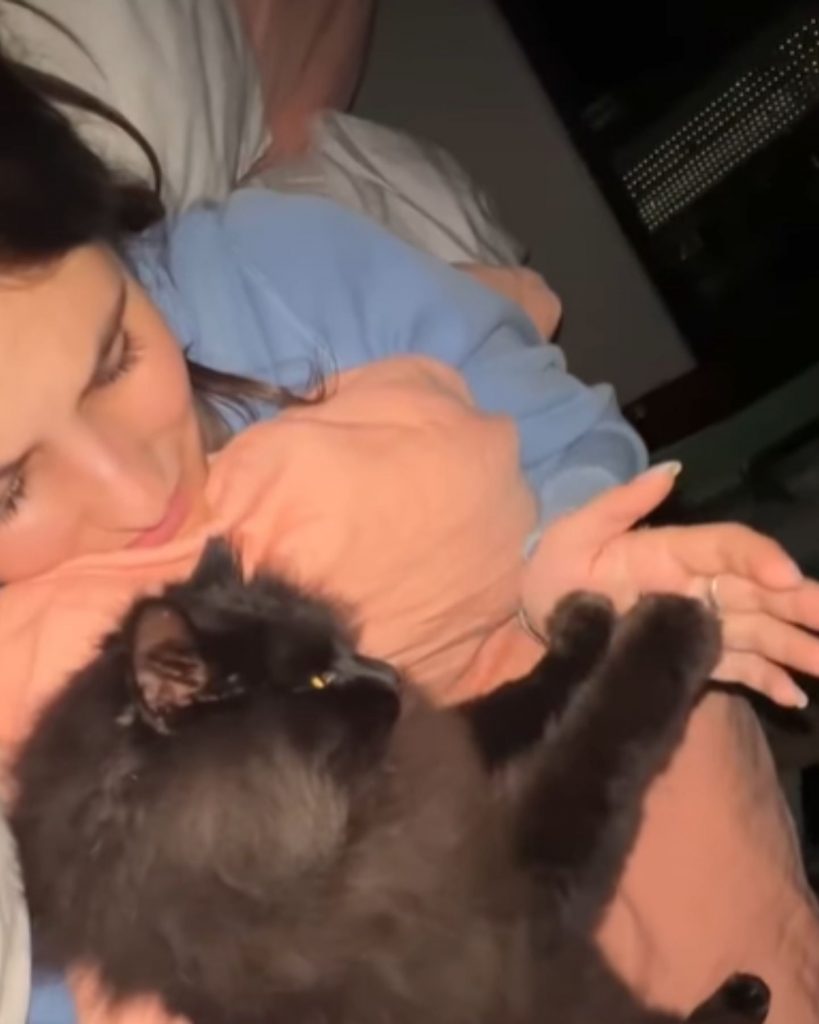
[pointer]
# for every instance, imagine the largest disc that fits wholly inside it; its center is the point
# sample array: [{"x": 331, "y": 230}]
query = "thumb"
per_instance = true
[{"x": 614, "y": 512}]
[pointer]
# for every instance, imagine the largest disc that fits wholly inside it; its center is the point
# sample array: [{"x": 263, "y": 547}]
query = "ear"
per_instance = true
[
  {"x": 168, "y": 669},
  {"x": 217, "y": 564}
]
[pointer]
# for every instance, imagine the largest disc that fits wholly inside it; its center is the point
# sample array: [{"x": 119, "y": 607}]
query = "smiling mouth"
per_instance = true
[{"x": 168, "y": 526}]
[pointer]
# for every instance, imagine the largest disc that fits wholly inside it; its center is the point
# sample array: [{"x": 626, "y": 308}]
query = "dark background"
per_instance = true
[{"x": 738, "y": 267}]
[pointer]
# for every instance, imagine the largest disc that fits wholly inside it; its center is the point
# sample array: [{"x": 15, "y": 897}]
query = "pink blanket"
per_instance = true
[{"x": 399, "y": 496}]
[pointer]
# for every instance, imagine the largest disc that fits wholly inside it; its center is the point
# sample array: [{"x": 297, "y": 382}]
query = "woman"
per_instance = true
[{"x": 102, "y": 444}]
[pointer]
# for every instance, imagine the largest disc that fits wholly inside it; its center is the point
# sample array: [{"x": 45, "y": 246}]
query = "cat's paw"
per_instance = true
[
  {"x": 742, "y": 999},
  {"x": 679, "y": 632},
  {"x": 581, "y": 623}
]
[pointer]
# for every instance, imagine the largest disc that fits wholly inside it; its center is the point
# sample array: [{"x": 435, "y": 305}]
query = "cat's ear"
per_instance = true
[
  {"x": 218, "y": 564},
  {"x": 168, "y": 669}
]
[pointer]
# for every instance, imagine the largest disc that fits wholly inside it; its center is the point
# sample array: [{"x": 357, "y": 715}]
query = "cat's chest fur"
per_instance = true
[{"x": 425, "y": 889}]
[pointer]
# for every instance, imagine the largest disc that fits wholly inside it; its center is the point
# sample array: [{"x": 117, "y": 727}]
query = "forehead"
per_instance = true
[
  {"x": 50, "y": 322},
  {"x": 56, "y": 299}
]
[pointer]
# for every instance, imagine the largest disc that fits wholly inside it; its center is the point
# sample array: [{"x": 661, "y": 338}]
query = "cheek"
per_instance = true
[
  {"x": 152, "y": 406},
  {"x": 43, "y": 542},
  {"x": 159, "y": 397},
  {"x": 156, "y": 394}
]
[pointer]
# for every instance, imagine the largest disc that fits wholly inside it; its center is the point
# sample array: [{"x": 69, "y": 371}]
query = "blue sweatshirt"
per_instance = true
[
  {"x": 51, "y": 1003},
  {"x": 272, "y": 286},
  {"x": 267, "y": 285}
]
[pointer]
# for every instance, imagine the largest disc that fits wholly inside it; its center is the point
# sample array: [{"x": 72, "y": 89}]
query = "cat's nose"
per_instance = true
[{"x": 354, "y": 669}]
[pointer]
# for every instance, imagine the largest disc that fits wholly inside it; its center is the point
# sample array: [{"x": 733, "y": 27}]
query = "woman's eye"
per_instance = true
[
  {"x": 13, "y": 496},
  {"x": 123, "y": 358}
]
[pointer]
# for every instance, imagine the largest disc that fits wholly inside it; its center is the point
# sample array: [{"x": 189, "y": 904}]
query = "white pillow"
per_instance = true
[
  {"x": 180, "y": 70},
  {"x": 15, "y": 946},
  {"x": 414, "y": 188}
]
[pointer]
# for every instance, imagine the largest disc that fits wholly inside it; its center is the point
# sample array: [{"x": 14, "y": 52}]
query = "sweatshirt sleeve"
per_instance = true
[
  {"x": 51, "y": 1003},
  {"x": 269, "y": 286}
]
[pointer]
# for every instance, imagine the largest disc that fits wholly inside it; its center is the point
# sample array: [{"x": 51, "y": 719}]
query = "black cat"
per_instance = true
[{"x": 232, "y": 808}]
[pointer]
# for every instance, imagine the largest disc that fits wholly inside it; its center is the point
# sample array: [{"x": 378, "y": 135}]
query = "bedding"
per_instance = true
[
  {"x": 288, "y": 493},
  {"x": 14, "y": 938},
  {"x": 414, "y": 188},
  {"x": 234, "y": 92},
  {"x": 181, "y": 71},
  {"x": 309, "y": 56}
]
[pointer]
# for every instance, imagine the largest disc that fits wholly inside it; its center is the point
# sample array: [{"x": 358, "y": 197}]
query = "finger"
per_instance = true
[
  {"x": 799, "y": 605},
  {"x": 731, "y": 549},
  {"x": 760, "y": 675},
  {"x": 775, "y": 640},
  {"x": 612, "y": 513}
]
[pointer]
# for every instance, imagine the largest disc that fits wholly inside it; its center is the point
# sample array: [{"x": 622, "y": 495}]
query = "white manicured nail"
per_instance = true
[{"x": 672, "y": 468}]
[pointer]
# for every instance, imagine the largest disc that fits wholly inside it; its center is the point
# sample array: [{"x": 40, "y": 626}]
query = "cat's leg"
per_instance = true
[
  {"x": 512, "y": 718},
  {"x": 580, "y": 800}
]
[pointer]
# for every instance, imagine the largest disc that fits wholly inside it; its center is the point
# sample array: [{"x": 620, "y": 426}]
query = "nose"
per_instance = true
[{"x": 123, "y": 483}]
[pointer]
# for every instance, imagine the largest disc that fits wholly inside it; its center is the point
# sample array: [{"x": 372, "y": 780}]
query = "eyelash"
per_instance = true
[
  {"x": 13, "y": 498},
  {"x": 129, "y": 356},
  {"x": 15, "y": 494}
]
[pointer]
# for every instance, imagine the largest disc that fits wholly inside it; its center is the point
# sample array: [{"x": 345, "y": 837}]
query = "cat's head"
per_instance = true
[{"x": 216, "y": 641}]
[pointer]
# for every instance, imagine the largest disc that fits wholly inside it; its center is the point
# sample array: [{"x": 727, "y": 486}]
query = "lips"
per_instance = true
[{"x": 168, "y": 526}]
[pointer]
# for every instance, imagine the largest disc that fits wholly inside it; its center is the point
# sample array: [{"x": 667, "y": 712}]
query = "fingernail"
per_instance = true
[
  {"x": 672, "y": 468},
  {"x": 795, "y": 573},
  {"x": 798, "y": 698},
  {"x": 787, "y": 574}
]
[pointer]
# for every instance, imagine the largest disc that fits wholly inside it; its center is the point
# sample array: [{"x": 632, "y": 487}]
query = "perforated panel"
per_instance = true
[{"x": 760, "y": 103}]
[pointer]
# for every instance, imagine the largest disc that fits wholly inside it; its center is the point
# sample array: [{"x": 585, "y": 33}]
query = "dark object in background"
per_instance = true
[{"x": 700, "y": 121}]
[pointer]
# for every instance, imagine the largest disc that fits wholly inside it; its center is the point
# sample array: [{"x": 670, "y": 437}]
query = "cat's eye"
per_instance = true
[{"x": 322, "y": 680}]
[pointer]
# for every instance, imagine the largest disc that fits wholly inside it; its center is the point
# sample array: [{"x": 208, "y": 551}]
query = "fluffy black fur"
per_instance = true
[{"x": 232, "y": 808}]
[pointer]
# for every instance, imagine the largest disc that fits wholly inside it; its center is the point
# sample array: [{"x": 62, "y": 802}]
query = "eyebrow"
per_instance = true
[{"x": 106, "y": 339}]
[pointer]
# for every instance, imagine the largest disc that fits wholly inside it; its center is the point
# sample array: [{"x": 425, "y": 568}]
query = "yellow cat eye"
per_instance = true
[{"x": 322, "y": 680}]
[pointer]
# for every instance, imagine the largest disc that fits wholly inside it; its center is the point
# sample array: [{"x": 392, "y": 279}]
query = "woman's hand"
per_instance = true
[{"x": 765, "y": 604}]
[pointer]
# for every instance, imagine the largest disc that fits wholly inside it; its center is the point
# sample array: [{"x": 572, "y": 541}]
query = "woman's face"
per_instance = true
[{"x": 100, "y": 448}]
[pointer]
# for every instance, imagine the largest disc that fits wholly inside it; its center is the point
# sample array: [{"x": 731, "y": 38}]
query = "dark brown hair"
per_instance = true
[{"x": 57, "y": 194}]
